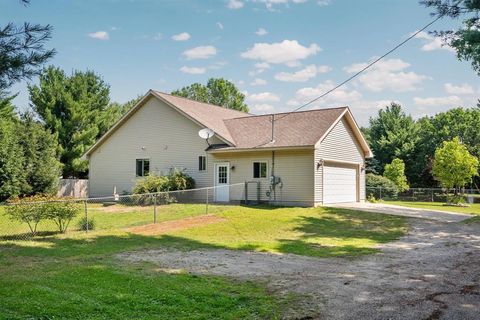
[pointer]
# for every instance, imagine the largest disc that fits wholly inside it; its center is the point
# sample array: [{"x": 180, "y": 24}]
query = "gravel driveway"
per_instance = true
[{"x": 431, "y": 273}]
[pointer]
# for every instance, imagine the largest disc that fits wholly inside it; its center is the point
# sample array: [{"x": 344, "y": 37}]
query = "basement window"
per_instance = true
[
  {"x": 260, "y": 169},
  {"x": 202, "y": 163},
  {"x": 143, "y": 167}
]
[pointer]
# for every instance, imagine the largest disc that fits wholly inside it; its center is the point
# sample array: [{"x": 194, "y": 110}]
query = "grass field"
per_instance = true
[
  {"x": 472, "y": 209},
  {"x": 76, "y": 275}
]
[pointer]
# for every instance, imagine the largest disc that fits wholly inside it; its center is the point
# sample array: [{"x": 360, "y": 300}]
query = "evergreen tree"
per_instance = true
[{"x": 76, "y": 109}]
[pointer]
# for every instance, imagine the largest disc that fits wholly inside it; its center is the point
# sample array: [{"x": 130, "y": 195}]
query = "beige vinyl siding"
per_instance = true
[
  {"x": 156, "y": 132},
  {"x": 293, "y": 167},
  {"x": 340, "y": 144}
]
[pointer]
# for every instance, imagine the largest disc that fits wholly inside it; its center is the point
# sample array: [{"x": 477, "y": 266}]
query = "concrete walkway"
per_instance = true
[{"x": 442, "y": 216}]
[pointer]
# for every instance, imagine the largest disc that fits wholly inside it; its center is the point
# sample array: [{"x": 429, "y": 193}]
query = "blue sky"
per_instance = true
[{"x": 280, "y": 53}]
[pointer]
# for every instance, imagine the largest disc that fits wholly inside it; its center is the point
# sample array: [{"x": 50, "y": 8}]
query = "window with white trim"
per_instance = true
[
  {"x": 202, "y": 163},
  {"x": 142, "y": 167},
  {"x": 260, "y": 169}
]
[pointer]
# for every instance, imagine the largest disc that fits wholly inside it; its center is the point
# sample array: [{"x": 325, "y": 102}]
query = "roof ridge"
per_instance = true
[
  {"x": 289, "y": 112},
  {"x": 205, "y": 103}
]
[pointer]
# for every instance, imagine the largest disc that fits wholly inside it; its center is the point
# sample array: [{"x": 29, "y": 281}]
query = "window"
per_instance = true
[
  {"x": 259, "y": 169},
  {"x": 143, "y": 167},
  {"x": 202, "y": 163},
  {"x": 222, "y": 174}
]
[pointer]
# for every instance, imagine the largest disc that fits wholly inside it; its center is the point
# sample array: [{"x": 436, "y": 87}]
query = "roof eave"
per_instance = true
[{"x": 227, "y": 150}]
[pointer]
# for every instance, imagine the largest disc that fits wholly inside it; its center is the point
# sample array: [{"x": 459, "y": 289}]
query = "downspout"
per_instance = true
[{"x": 272, "y": 183}]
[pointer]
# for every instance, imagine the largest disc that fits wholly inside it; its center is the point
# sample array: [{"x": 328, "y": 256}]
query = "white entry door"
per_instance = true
[
  {"x": 339, "y": 184},
  {"x": 222, "y": 180}
]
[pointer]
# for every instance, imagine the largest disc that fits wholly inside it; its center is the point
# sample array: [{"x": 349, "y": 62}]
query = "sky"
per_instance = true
[{"x": 279, "y": 53}]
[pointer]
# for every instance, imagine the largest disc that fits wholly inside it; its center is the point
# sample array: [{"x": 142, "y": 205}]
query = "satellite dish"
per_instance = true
[{"x": 206, "y": 133}]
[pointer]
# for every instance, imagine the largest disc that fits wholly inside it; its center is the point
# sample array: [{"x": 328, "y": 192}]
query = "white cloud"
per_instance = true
[
  {"x": 158, "y": 36},
  {"x": 387, "y": 74},
  {"x": 235, "y": 4},
  {"x": 271, "y": 3},
  {"x": 261, "y": 32},
  {"x": 258, "y": 82},
  {"x": 262, "y": 108},
  {"x": 263, "y": 97},
  {"x": 338, "y": 97},
  {"x": 461, "y": 89},
  {"x": 99, "y": 35},
  {"x": 303, "y": 75},
  {"x": 220, "y": 25},
  {"x": 288, "y": 52},
  {"x": 193, "y": 70},
  {"x": 184, "y": 36},
  {"x": 262, "y": 65},
  {"x": 432, "y": 43},
  {"x": 201, "y": 52},
  {"x": 323, "y": 2},
  {"x": 451, "y": 101}
]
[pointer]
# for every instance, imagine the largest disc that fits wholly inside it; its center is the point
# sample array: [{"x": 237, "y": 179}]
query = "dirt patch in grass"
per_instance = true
[
  {"x": 175, "y": 225},
  {"x": 431, "y": 273}
]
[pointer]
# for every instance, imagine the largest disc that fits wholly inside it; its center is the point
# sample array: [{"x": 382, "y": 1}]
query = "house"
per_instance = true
[{"x": 317, "y": 156}]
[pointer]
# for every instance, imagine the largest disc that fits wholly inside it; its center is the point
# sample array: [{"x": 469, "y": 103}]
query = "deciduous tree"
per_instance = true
[
  {"x": 218, "y": 91},
  {"x": 395, "y": 172},
  {"x": 466, "y": 39},
  {"x": 454, "y": 166}
]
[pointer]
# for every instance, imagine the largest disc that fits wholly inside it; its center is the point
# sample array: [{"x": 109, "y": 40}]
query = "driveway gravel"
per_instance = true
[
  {"x": 391, "y": 209},
  {"x": 431, "y": 273}
]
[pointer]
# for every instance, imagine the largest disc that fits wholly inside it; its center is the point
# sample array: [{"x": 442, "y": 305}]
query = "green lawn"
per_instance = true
[
  {"x": 472, "y": 209},
  {"x": 76, "y": 276}
]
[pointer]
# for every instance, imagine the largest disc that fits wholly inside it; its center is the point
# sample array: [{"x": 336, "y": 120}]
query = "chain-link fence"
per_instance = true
[
  {"x": 423, "y": 194},
  {"x": 138, "y": 213}
]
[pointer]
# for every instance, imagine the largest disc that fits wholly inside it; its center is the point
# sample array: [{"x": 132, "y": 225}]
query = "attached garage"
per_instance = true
[{"x": 340, "y": 184}]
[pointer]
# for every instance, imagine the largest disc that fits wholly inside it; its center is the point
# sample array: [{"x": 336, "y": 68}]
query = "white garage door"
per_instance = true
[{"x": 339, "y": 184}]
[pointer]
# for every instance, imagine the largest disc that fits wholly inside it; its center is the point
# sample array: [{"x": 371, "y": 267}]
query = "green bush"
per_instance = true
[
  {"x": 375, "y": 183},
  {"x": 175, "y": 180},
  {"x": 456, "y": 199},
  {"x": 28, "y": 210},
  {"x": 32, "y": 210},
  {"x": 84, "y": 222},
  {"x": 179, "y": 180},
  {"x": 61, "y": 212}
]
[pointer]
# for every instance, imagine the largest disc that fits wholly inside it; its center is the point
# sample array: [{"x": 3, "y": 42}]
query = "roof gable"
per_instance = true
[{"x": 290, "y": 129}]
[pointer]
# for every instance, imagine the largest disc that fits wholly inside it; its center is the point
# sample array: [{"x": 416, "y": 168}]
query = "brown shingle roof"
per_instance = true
[
  {"x": 245, "y": 131},
  {"x": 209, "y": 115},
  {"x": 292, "y": 129}
]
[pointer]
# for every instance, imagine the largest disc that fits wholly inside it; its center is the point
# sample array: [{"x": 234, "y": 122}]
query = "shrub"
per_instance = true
[
  {"x": 61, "y": 212},
  {"x": 175, "y": 180},
  {"x": 456, "y": 199},
  {"x": 375, "y": 183},
  {"x": 84, "y": 222},
  {"x": 151, "y": 184},
  {"x": 28, "y": 210},
  {"x": 179, "y": 180}
]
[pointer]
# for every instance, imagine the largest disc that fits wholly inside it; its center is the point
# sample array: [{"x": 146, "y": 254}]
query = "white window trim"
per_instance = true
[
  {"x": 261, "y": 161},
  {"x": 143, "y": 169},
  {"x": 206, "y": 163}
]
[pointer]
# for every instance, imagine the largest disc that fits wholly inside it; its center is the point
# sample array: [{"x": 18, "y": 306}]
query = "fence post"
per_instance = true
[
  {"x": 432, "y": 194},
  {"x": 86, "y": 215},
  {"x": 154, "y": 208},
  {"x": 246, "y": 193},
  {"x": 206, "y": 204},
  {"x": 380, "y": 193}
]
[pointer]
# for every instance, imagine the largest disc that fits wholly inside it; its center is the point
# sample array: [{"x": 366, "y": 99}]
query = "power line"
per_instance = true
[{"x": 363, "y": 69}]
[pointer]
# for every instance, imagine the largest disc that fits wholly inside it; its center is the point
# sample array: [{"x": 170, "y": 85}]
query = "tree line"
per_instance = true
[{"x": 395, "y": 135}]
